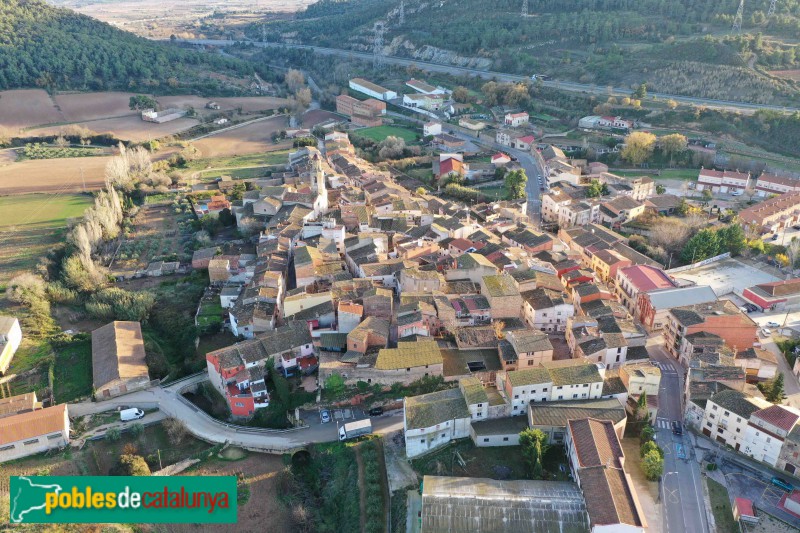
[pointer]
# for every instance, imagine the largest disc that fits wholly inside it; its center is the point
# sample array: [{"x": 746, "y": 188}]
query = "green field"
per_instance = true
[
  {"x": 495, "y": 192},
  {"x": 379, "y": 133},
  {"x": 31, "y": 224},
  {"x": 237, "y": 173},
  {"x": 687, "y": 174},
  {"x": 239, "y": 161},
  {"x": 721, "y": 506},
  {"x": 72, "y": 372}
]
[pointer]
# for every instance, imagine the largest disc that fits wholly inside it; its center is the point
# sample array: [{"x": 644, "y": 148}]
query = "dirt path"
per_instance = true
[
  {"x": 384, "y": 485},
  {"x": 362, "y": 498}
]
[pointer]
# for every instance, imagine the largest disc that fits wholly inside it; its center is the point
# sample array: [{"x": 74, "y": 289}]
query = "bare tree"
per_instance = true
[
  {"x": 793, "y": 251},
  {"x": 391, "y": 147},
  {"x": 294, "y": 80},
  {"x": 670, "y": 234}
]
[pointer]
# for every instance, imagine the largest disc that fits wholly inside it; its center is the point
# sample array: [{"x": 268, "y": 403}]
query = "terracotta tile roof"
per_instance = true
[
  {"x": 647, "y": 278},
  {"x": 117, "y": 353},
  {"x": 611, "y": 499},
  {"x": 595, "y": 443},
  {"x": 17, "y": 404},
  {"x": 778, "y": 416},
  {"x": 34, "y": 424}
]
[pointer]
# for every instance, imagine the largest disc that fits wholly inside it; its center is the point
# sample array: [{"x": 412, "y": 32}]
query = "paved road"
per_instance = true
[
  {"x": 680, "y": 491},
  {"x": 199, "y": 424},
  {"x": 501, "y": 76}
]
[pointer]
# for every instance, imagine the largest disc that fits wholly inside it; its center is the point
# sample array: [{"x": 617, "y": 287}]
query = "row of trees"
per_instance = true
[
  {"x": 710, "y": 242},
  {"x": 640, "y": 145}
]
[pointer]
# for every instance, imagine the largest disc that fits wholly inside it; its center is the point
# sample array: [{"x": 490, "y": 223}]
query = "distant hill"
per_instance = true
[
  {"x": 53, "y": 48},
  {"x": 620, "y": 42}
]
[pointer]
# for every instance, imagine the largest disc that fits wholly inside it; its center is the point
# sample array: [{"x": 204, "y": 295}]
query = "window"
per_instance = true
[
  {"x": 480, "y": 405},
  {"x": 719, "y": 430},
  {"x": 544, "y": 389},
  {"x": 712, "y": 417},
  {"x": 738, "y": 430},
  {"x": 574, "y": 396},
  {"x": 239, "y": 404},
  {"x": 408, "y": 370},
  {"x": 708, "y": 424},
  {"x": 559, "y": 387},
  {"x": 560, "y": 397},
  {"x": 423, "y": 441},
  {"x": 9, "y": 447},
  {"x": 530, "y": 362},
  {"x": 516, "y": 396},
  {"x": 505, "y": 439},
  {"x": 738, "y": 419},
  {"x": 727, "y": 413},
  {"x": 585, "y": 384},
  {"x": 443, "y": 434},
  {"x": 486, "y": 439},
  {"x": 54, "y": 436},
  {"x": 29, "y": 442},
  {"x": 544, "y": 314}
]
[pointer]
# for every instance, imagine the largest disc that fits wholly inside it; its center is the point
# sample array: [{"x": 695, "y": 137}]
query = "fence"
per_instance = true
[{"x": 699, "y": 264}]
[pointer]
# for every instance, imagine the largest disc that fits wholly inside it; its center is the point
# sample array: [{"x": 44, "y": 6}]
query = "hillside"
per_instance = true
[
  {"x": 43, "y": 46},
  {"x": 622, "y": 42}
]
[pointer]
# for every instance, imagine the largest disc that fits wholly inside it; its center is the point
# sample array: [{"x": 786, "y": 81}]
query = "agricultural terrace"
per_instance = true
[
  {"x": 379, "y": 133},
  {"x": 31, "y": 224},
  {"x": 253, "y": 138},
  {"x": 247, "y": 166}
]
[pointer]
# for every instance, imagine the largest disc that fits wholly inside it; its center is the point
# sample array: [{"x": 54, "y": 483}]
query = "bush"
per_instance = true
[
  {"x": 130, "y": 465},
  {"x": 113, "y": 434}
]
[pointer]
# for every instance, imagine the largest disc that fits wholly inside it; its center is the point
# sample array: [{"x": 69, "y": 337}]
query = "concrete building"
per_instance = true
[
  {"x": 771, "y": 184},
  {"x": 636, "y": 279},
  {"x": 516, "y": 120},
  {"x": 362, "y": 113},
  {"x": 370, "y": 89},
  {"x": 597, "y": 464},
  {"x": 721, "y": 318},
  {"x": 10, "y": 339},
  {"x": 641, "y": 378},
  {"x": 33, "y": 432},
  {"x": 408, "y": 362},
  {"x": 118, "y": 360},
  {"x": 433, "y": 420},
  {"x": 546, "y": 310},
  {"x": 503, "y": 296},
  {"x": 552, "y": 417},
  {"x": 530, "y": 348},
  {"x": 778, "y": 295},
  {"x": 767, "y": 431},
  {"x": 652, "y": 307},
  {"x": 773, "y": 214},
  {"x": 727, "y": 416},
  {"x": 722, "y": 181}
]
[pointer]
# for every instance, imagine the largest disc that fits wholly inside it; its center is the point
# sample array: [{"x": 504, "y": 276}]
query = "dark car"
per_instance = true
[
  {"x": 774, "y": 237},
  {"x": 376, "y": 411},
  {"x": 677, "y": 428}
]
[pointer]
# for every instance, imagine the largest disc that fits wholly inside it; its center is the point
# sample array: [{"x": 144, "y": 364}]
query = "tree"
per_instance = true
[
  {"x": 113, "y": 434},
  {"x": 640, "y": 92},
  {"x": 672, "y": 104},
  {"x": 673, "y": 144},
  {"x": 793, "y": 251},
  {"x": 335, "y": 383},
  {"x": 514, "y": 183},
  {"x": 596, "y": 189},
  {"x": 534, "y": 445},
  {"x": 647, "y": 434},
  {"x": 650, "y": 446},
  {"x": 461, "y": 94},
  {"x": 641, "y": 406},
  {"x": 391, "y": 147},
  {"x": 773, "y": 389},
  {"x": 638, "y": 147},
  {"x": 653, "y": 465},
  {"x": 703, "y": 245},
  {"x": 176, "y": 430},
  {"x": 731, "y": 239},
  {"x": 421, "y": 190},
  {"x": 141, "y": 101},
  {"x": 707, "y": 195},
  {"x": 131, "y": 465},
  {"x": 660, "y": 189},
  {"x": 294, "y": 80},
  {"x": 670, "y": 234}
]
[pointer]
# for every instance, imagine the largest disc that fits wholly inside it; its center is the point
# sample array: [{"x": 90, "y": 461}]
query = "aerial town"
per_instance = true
[{"x": 406, "y": 310}]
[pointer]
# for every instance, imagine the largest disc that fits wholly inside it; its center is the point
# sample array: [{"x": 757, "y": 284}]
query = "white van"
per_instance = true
[{"x": 126, "y": 415}]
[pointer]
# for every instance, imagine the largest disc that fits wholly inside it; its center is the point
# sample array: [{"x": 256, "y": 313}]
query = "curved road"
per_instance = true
[
  {"x": 168, "y": 400},
  {"x": 501, "y": 76}
]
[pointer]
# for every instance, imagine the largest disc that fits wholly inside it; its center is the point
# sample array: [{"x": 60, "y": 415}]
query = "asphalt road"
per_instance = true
[
  {"x": 680, "y": 491},
  {"x": 501, "y": 76}
]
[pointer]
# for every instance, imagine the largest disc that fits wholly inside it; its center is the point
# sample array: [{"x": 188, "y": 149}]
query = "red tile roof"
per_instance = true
[
  {"x": 595, "y": 442},
  {"x": 450, "y": 165},
  {"x": 528, "y": 139},
  {"x": 647, "y": 278},
  {"x": 778, "y": 417},
  {"x": 744, "y": 506}
]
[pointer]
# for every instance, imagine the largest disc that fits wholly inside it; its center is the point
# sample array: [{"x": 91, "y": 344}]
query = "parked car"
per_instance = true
[
  {"x": 796, "y": 226},
  {"x": 774, "y": 237},
  {"x": 376, "y": 411},
  {"x": 325, "y": 416},
  {"x": 766, "y": 332},
  {"x": 773, "y": 324},
  {"x": 677, "y": 428},
  {"x": 782, "y": 483}
]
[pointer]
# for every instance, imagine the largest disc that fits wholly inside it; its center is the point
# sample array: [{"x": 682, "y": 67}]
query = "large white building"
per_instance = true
[
  {"x": 10, "y": 339},
  {"x": 766, "y": 432},
  {"x": 371, "y": 89},
  {"x": 432, "y": 420},
  {"x": 727, "y": 416}
]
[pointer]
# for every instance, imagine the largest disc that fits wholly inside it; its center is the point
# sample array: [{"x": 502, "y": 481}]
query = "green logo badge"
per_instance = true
[{"x": 123, "y": 499}]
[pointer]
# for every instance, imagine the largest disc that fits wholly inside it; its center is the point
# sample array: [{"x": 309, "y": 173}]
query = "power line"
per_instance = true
[
  {"x": 401, "y": 16},
  {"x": 737, "y": 21},
  {"x": 771, "y": 8},
  {"x": 524, "y": 8},
  {"x": 377, "y": 45}
]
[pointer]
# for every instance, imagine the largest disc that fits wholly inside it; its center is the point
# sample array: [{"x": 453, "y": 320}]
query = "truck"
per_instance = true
[
  {"x": 126, "y": 415},
  {"x": 355, "y": 429}
]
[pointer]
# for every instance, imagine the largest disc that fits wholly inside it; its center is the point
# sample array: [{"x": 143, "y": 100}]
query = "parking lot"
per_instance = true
[{"x": 765, "y": 495}]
